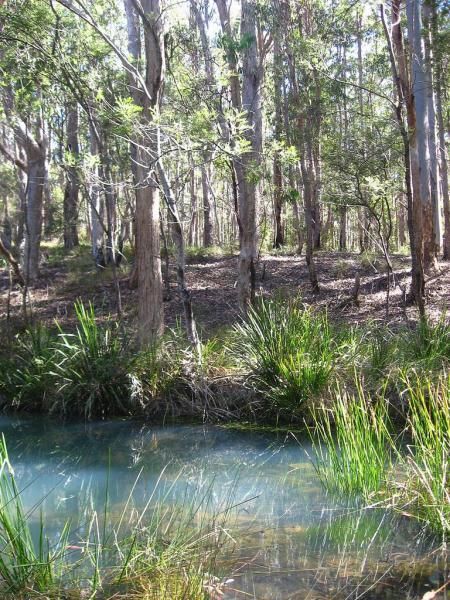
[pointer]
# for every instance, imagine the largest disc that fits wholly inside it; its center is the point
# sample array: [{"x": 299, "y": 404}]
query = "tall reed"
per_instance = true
[
  {"x": 22, "y": 564},
  {"x": 352, "y": 443},
  {"x": 428, "y": 461}
]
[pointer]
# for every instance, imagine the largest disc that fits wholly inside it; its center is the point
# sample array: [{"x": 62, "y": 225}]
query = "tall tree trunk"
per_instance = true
[
  {"x": 72, "y": 180},
  {"x": 307, "y": 198},
  {"x": 304, "y": 143},
  {"x": 420, "y": 155},
  {"x": 278, "y": 239},
  {"x": 146, "y": 92},
  {"x": 439, "y": 73},
  {"x": 405, "y": 100},
  {"x": 432, "y": 129},
  {"x": 208, "y": 208},
  {"x": 362, "y": 212},
  {"x": 251, "y": 159}
]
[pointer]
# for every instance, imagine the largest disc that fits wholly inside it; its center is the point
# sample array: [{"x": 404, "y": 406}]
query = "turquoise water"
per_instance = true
[{"x": 293, "y": 541}]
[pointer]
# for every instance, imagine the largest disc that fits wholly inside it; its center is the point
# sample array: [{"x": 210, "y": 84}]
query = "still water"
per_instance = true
[{"x": 293, "y": 541}]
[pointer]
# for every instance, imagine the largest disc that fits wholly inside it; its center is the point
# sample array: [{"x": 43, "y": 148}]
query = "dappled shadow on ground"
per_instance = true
[{"x": 213, "y": 285}]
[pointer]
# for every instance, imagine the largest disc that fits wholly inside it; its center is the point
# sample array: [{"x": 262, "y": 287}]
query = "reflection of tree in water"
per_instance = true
[{"x": 293, "y": 540}]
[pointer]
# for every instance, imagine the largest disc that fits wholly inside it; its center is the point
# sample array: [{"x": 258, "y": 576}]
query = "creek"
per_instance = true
[{"x": 292, "y": 540}]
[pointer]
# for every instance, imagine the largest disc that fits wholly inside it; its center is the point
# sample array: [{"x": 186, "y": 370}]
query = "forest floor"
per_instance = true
[{"x": 212, "y": 280}]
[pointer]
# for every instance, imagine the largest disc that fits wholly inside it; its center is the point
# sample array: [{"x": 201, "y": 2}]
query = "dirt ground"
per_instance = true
[{"x": 213, "y": 285}]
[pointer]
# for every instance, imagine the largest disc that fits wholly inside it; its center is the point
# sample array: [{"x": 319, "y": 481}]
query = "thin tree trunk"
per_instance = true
[
  {"x": 278, "y": 239},
  {"x": 248, "y": 192},
  {"x": 432, "y": 130},
  {"x": 343, "y": 228},
  {"x": 178, "y": 238},
  {"x": 208, "y": 223},
  {"x": 194, "y": 213},
  {"x": 72, "y": 181},
  {"x": 307, "y": 197},
  {"x": 405, "y": 100},
  {"x": 96, "y": 204},
  {"x": 439, "y": 72}
]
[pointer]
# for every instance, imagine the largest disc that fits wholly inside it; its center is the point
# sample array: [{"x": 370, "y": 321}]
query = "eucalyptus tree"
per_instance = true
[
  {"x": 24, "y": 119},
  {"x": 146, "y": 89},
  {"x": 421, "y": 132},
  {"x": 72, "y": 188},
  {"x": 245, "y": 95},
  {"x": 305, "y": 106},
  {"x": 201, "y": 17},
  {"x": 440, "y": 43}
]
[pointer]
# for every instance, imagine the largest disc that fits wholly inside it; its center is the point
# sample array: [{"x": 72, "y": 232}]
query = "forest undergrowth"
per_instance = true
[{"x": 375, "y": 401}]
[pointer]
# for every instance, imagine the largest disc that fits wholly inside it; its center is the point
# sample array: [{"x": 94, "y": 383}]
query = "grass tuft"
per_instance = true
[
  {"x": 352, "y": 443},
  {"x": 428, "y": 461},
  {"x": 22, "y": 565},
  {"x": 289, "y": 350}
]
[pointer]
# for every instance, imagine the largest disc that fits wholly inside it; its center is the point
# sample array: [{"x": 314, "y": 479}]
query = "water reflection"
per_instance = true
[{"x": 294, "y": 542}]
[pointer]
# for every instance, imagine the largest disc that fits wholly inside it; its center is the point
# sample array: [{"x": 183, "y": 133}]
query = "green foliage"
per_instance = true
[
  {"x": 91, "y": 368},
  {"x": 428, "y": 462},
  {"x": 291, "y": 195},
  {"x": 22, "y": 565},
  {"x": 86, "y": 373},
  {"x": 388, "y": 356},
  {"x": 289, "y": 350},
  {"x": 28, "y": 379},
  {"x": 163, "y": 551},
  {"x": 428, "y": 343},
  {"x": 352, "y": 443}
]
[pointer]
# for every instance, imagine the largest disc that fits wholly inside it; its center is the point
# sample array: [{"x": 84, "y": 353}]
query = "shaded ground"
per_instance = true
[{"x": 212, "y": 282}]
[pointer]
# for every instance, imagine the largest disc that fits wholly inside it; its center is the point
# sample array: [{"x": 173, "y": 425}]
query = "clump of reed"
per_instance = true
[
  {"x": 26, "y": 377},
  {"x": 358, "y": 453},
  {"x": 386, "y": 354},
  {"x": 426, "y": 490},
  {"x": 289, "y": 351},
  {"x": 24, "y": 564},
  {"x": 91, "y": 368},
  {"x": 352, "y": 443}
]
